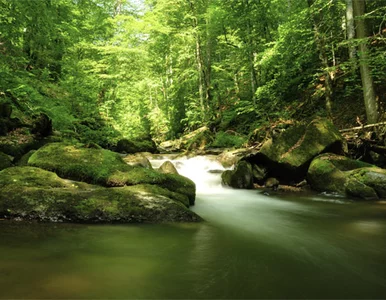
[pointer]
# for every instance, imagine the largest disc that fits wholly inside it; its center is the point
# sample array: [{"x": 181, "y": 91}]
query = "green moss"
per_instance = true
[
  {"x": 33, "y": 193},
  {"x": 226, "y": 140},
  {"x": 333, "y": 173},
  {"x": 323, "y": 175},
  {"x": 358, "y": 189},
  {"x": 134, "y": 146},
  {"x": 373, "y": 177},
  {"x": 298, "y": 145},
  {"x": 161, "y": 191},
  {"x": 107, "y": 168}
]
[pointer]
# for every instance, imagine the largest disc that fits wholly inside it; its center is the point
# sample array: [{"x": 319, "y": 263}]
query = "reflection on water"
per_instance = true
[{"x": 252, "y": 246}]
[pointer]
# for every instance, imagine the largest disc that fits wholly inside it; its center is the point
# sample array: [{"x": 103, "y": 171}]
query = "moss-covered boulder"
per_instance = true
[
  {"x": 104, "y": 167},
  {"x": 168, "y": 168},
  {"x": 288, "y": 156},
  {"x": 136, "y": 145},
  {"x": 240, "y": 178},
  {"x": 137, "y": 160},
  {"x": 338, "y": 174},
  {"x": 5, "y": 161},
  {"x": 198, "y": 139},
  {"x": 36, "y": 194}
]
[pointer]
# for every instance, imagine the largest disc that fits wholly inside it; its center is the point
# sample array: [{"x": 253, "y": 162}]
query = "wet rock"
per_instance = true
[
  {"x": 271, "y": 183},
  {"x": 240, "y": 178},
  {"x": 168, "y": 168},
  {"x": 259, "y": 174},
  {"x": 137, "y": 160},
  {"x": 135, "y": 146},
  {"x": 338, "y": 174},
  {"x": 104, "y": 167},
  {"x": 35, "y": 194},
  {"x": 288, "y": 156},
  {"x": 229, "y": 158}
]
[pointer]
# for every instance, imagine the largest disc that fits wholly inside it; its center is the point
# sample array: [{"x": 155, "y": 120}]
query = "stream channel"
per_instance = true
[{"x": 251, "y": 246}]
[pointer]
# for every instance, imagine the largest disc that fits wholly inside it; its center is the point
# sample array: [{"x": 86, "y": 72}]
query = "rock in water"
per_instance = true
[
  {"x": 272, "y": 183},
  {"x": 168, "y": 168},
  {"x": 338, "y": 174},
  {"x": 106, "y": 168},
  {"x": 240, "y": 178},
  {"x": 288, "y": 156},
  {"x": 35, "y": 194}
]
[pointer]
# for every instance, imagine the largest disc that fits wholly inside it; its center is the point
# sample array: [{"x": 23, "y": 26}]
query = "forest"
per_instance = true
[
  {"x": 192, "y": 149},
  {"x": 107, "y": 69}
]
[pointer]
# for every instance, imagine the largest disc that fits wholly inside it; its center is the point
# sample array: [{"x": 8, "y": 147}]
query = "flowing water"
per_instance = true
[{"x": 251, "y": 246}]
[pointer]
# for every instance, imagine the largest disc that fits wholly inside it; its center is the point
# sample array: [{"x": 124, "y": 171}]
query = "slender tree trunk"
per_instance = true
[
  {"x": 350, "y": 28},
  {"x": 203, "y": 89},
  {"x": 251, "y": 57},
  {"x": 201, "y": 76},
  {"x": 321, "y": 45},
  {"x": 371, "y": 104}
]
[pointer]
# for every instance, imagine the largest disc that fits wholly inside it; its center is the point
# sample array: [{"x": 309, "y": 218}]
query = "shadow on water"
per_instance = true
[{"x": 251, "y": 246}]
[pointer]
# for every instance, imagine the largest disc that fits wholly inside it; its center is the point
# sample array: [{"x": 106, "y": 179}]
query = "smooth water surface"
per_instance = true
[{"x": 251, "y": 246}]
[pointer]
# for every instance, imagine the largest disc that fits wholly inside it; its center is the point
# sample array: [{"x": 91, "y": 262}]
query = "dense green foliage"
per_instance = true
[{"x": 106, "y": 69}]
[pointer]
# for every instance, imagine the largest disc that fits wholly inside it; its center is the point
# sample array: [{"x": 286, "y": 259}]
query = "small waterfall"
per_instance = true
[{"x": 205, "y": 171}]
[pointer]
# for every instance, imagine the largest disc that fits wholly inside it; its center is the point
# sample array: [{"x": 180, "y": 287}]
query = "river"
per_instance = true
[{"x": 251, "y": 246}]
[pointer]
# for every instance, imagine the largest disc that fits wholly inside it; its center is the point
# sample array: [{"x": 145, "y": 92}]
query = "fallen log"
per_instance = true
[{"x": 363, "y": 127}]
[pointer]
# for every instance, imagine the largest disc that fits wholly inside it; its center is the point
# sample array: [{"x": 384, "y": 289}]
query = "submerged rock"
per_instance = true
[
  {"x": 338, "y": 174},
  {"x": 35, "y": 194},
  {"x": 106, "y": 168}
]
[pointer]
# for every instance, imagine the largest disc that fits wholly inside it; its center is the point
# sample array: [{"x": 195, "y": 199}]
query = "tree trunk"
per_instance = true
[
  {"x": 371, "y": 104},
  {"x": 321, "y": 46},
  {"x": 350, "y": 28},
  {"x": 251, "y": 56}
]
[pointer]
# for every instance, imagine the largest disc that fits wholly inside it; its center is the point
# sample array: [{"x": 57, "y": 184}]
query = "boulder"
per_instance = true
[
  {"x": 168, "y": 168},
  {"x": 240, "y": 178},
  {"x": 106, "y": 168},
  {"x": 5, "y": 161},
  {"x": 198, "y": 139},
  {"x": 137, "y": 160},
  {"x": 228, "y": 158},
  {"x": 271, "y": 183},
  {"x": 35, "y": 194},
  {"x": 136, "y": 145},
  {"x": 338, "y": 174},
  {"x": 259, "y": 174},
  {"x": 288, "y": 156}
]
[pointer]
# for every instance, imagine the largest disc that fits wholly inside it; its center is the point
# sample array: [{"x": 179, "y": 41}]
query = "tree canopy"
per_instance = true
[{"x": 103, "y": 69}]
